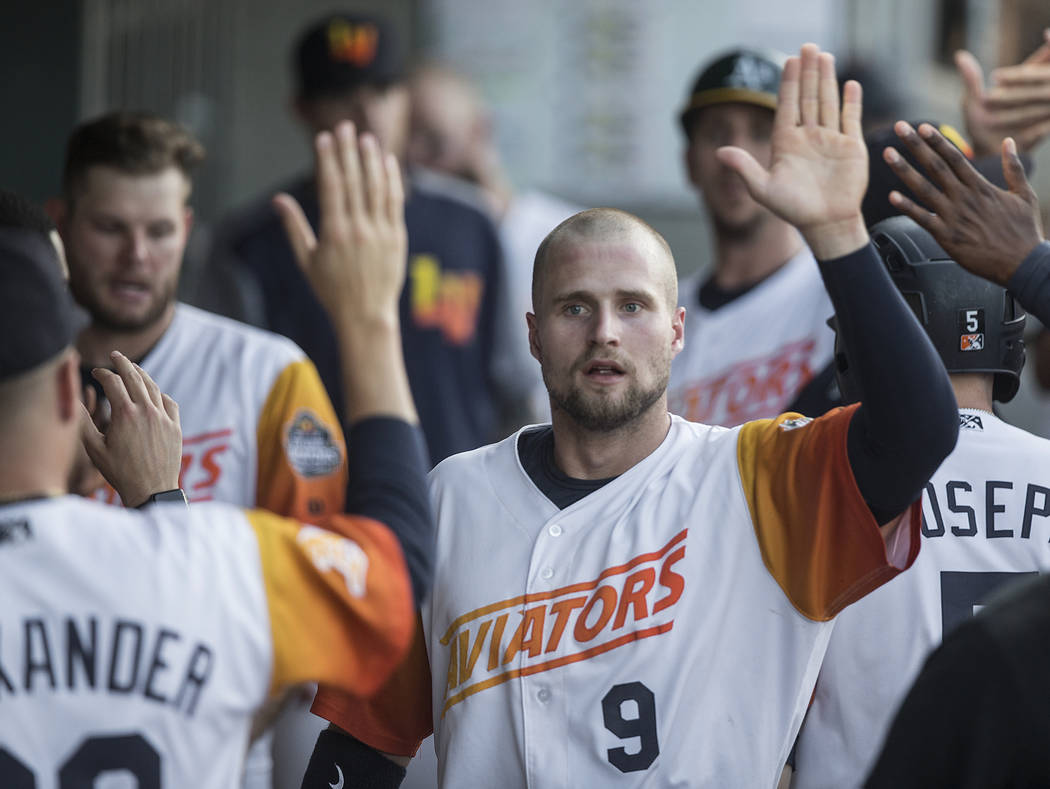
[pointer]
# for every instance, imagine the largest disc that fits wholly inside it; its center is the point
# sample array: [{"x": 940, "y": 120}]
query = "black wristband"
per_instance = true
[
  {"x": 344, "y": 761},
  {"x": 165, "y": 496}
]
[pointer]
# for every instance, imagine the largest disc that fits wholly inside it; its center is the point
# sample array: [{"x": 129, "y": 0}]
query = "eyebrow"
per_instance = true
[{"x": 586, "y": 295}]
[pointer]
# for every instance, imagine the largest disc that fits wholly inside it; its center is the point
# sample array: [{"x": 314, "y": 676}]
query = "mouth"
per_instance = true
[
  {"x": 604, "y": 371},
  {"x": 132, "y": 292}
]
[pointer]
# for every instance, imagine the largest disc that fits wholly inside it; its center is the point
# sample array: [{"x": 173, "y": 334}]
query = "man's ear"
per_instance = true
[
  {"x": 534, "y": 337},
  {"x": 678, "y": 330}
]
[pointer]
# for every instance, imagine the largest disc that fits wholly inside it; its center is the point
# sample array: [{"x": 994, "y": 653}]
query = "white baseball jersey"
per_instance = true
[
  {"x": 750, "y": 358},
  {"x": 258, "y": 429},
  {"x": 143, "y": 642},
  {"x": 664, "y": 630},
  {"x": 986, "y": 522}
]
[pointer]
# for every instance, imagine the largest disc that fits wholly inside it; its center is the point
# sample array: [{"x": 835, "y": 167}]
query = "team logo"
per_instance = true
[
  {"x": 15, "y": 532},
  {"x": 542, "y": 631},
  {"x": 795, "y": 423},
  {"x": 310, "y": 447},
  {"x": 750, "y": 72},
  {"x": 971, "y": 330},
  {"x": 329, "y": 551},
  {"x": 970, "y": 422},
  {"x": 355, "y": 44}
]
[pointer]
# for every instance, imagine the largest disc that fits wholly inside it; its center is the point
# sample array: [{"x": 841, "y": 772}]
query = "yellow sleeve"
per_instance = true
[
  {"x": 301, "y": 449},
  {"x": 818, "y": 538},
  {"x": 339, "y": 598}
]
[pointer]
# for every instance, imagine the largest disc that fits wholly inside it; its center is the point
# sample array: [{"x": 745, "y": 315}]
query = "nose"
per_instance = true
[
  {"x": 137, "y": 247},
  {"x": 605, "y": 327}
]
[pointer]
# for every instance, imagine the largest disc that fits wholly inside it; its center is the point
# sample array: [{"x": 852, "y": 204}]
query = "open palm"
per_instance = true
[{"x": 819, "y": 166}]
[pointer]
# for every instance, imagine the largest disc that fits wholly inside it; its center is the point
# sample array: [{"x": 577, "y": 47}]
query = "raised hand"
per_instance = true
[
  {"x": 986, "y": 230},
  {"x": 1016, "y": 105},
  {"x": 819, "y": 167},
  {"x": 357, "y": 261},
  {"x": 140, "y": 452},
  {"x": 356, "y": 266}
]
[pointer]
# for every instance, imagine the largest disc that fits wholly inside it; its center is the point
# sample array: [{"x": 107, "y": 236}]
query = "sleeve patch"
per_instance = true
[
  {"x": 329, "y": 551},
  {"x": 310, "y": 446},
  {"x": 795, "y": 423}
]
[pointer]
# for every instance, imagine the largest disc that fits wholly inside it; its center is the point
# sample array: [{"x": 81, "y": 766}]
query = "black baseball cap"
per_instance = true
[
  {"x": 38, "y": 318},
  {"x": 748, "y": 76},
  {"x": 343, "y": 51}
]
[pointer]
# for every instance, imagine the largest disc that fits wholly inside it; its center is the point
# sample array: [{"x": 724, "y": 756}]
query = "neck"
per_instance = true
[
  {"x": 96, "y": 342},
  {"x": 743, "y": 261},
  {"x": 586, "y": 454},
  {"x": 494, "y": 184},
  {"x": 30, "y": 462},
  {"x": 973, "y": 390}
]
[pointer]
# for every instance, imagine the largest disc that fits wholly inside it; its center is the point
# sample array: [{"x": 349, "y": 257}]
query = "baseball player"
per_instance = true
[
  {"x": 139, "y": 644},
  {"x": 764, "y": 277},
  {"x": 626, "y": 598},
  {"x": 259, "y": 429},
  {"x": 982, "y": 514}
]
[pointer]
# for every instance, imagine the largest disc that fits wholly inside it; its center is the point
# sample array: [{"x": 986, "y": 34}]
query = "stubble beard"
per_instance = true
[
  {"x": 603, "y": 414},
  {"x": 115, "y": 321}
]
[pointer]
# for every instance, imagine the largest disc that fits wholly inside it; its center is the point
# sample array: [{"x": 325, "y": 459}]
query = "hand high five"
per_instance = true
[
  {"x": 357, "y": 260},
  {"x": 819, "y": 169}
]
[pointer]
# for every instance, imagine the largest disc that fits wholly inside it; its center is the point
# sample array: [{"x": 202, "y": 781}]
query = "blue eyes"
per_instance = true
[{"x": 632, "y": 308}]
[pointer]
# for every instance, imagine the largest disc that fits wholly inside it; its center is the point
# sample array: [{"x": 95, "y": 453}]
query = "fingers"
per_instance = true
[
  {"x": 927, "y": 193},
  {"x": 152, "y": 389},
  {"x": 171, "y": 408},
  {"x": 1033, "y": 135},
  {"x": 930, "y": 222},
  {"x": 1042, "y": 53},
  {"x": 945, "y": 164},
  {"x": 350, "y": 158},
  {"x": 787, "y": 114},
  {"x": 296, "y": 227},
  {"x": 92, "y": 438},
  {"x": 852, "y": 107},
  {"x": 809, "y": 85},
  {"x": 133, "y": 382},
  {"x": 755, "y": 176},
  {"x": 828, "y": 91},
  {"x": 90, "y": 400},
  {"x": 971, "y": 72},
  {"x": 395, "y": 194},
  {"x": 374, "y": 174},
  {"x": 331, "y": 191},
  {"x": 1028, "y": 74},
  {"x": 1013, "y": 173}
]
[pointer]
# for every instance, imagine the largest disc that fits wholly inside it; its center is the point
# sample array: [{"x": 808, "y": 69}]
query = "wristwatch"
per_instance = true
[{"x": 165, "y": 496}]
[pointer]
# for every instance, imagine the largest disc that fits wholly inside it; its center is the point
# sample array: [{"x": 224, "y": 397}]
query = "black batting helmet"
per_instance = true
[
  {"x": 748, "y": 76},
  {"x": 974, "y": 325}
]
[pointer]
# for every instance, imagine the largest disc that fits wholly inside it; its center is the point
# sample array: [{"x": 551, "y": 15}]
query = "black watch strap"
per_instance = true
[{"x": 175, "y": 495}]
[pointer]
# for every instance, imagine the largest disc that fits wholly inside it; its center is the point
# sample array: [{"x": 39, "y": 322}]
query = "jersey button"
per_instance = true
[
  {"x": 547, "y": 573},
  {"x": 555, "y": 530},
  {"x": 543, "y": 695}
]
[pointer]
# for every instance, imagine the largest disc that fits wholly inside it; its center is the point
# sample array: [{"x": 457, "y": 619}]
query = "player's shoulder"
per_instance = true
[
  {"x": 432, "y": 206},
  {"x": 220, "y": 334},
  {"x": 466, "y": 465}
]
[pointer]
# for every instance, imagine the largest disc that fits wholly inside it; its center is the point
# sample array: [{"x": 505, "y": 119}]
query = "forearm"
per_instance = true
[
  {"x": 375, "y": 382},
  {"x": 387, "y": 481},
  {"x": 1030, "y": 283},
  {"x": 908, "y": 422}
]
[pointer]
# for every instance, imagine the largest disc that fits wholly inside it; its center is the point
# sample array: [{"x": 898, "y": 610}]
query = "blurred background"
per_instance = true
[{"x": 584, "y": 94}]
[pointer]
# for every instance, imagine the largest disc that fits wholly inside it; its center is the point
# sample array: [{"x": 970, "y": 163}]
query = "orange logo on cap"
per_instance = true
[{"x": 354, "y": 44}]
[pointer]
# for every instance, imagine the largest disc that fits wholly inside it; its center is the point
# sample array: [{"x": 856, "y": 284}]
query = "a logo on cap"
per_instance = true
[
  {"x": 753, "y": 73},
  {"x": 353, "y": 43}
]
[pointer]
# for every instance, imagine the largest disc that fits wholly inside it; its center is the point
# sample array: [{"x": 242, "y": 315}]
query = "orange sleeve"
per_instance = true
[
  {"x": 818, "y": 538},
  {"x": 339, "y": 598},
  {"x": 396, "y": 719},
  {"x": 302, "y": 453}
]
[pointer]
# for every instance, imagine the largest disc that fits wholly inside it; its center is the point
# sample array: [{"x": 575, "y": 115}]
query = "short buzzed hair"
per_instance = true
[
  {"x": 135, "y": 143},
  {"x": 601, "y": 224}
]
